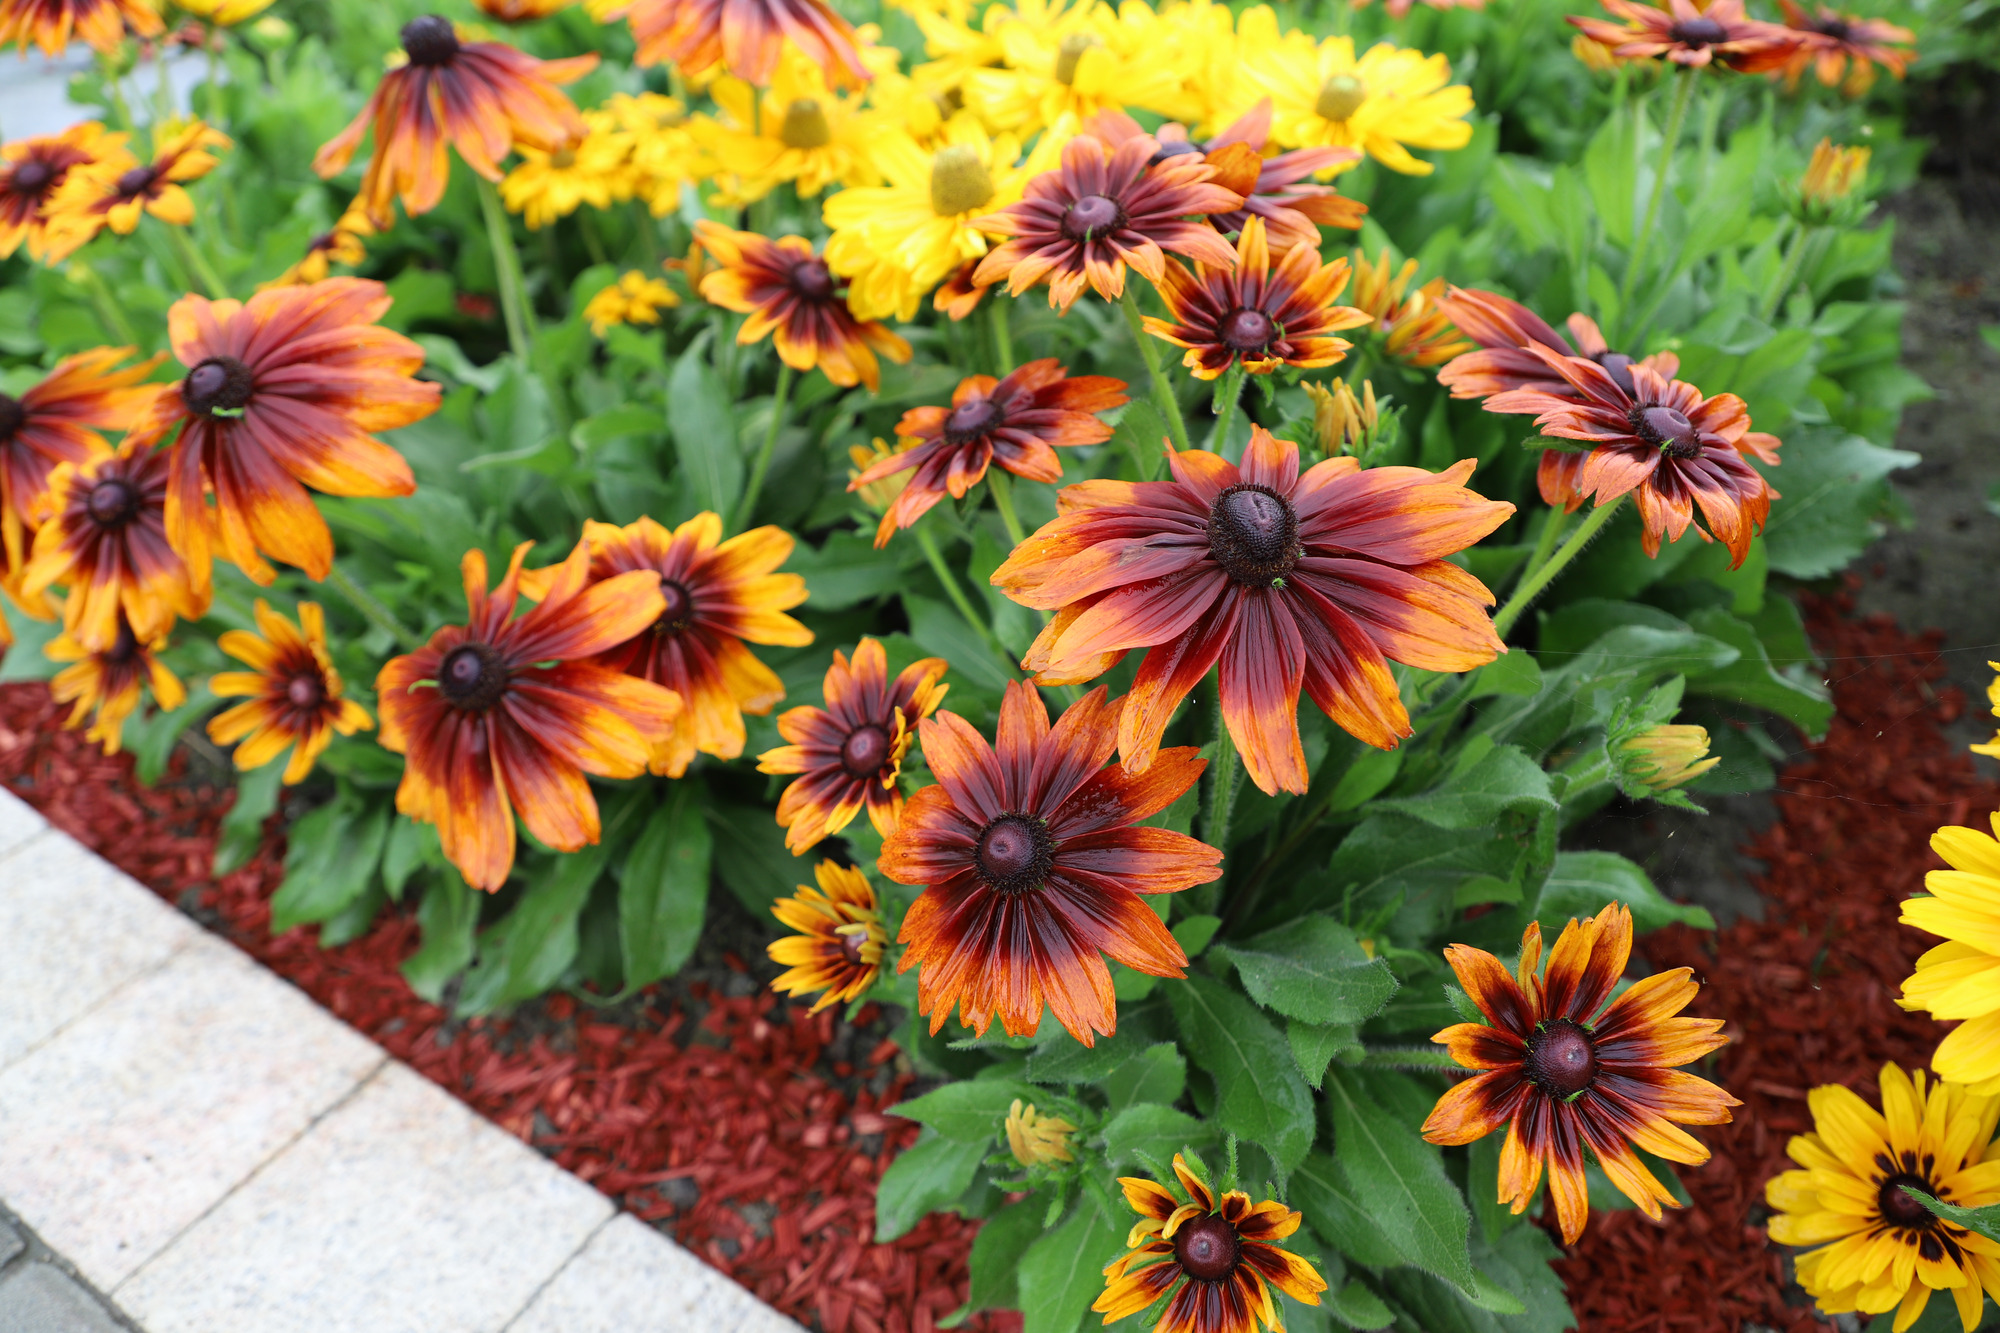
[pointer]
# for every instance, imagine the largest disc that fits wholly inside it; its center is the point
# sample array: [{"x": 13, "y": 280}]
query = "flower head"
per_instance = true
[
  {"x": 1342, "y": 423},
  {"x": 1036, "y": 1139},
  {"x": 105, "y": 540},
  {"x": 1260, "y": 315},
  {"x": 1059, "y": 59},
  {"x": 482, "y": 98},
  {"x": 1861, "y": 1170},
  {"x": 107, "y": 685},
  {"x": 849, "y": 754},
  {"x": 553, "y": 183},
  {"x": 1222, "y": 1255},
  {"x": 1839, "y": 48},
  {"x": 1289, "y": 582},
  {"x": 1102, "y": 209},
  {"x": 99, "y": 23},
  {"x": 1032, "y": 871},
  {"x": 1668, "y": 756},
  {"x": 293, "y": 689},
  {"x": 1685, "y": 33},
  {"x": 1659, "y": 439},
  {"x": 37, "y": 175},
  {"x": 746, "y": 37},
  {"x": 788, "y": 290},
  {"x": 153, "y": 187},
  {"x": 1562, "y": 1069},
  {"x": 633, "y": 299},
  {"x": 715, "y": 599},
  {"x": 799, "y": 131},
  {"x": 1826, "y": 193},
  {"x": 507, "y": 714},
  {"x": 1018, "y": 422},
  {"x": 1414, "y": 328},
  {"x": 838, "y": 948},
  {"x": 283, "y": 391},
  {"x": 1383, "y": 102},
  {"x": 520, "y": 11},
  {"x": 223, "y": 13},
  {"x": 341, "y": 244},
  {"x": 1960, "y": 979},
  {"x": 1992, "y": 748}
]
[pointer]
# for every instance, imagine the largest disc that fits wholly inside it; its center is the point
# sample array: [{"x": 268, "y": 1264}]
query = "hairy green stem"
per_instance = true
[
  {"x": 1683, "y": 94},
  {"x": 1221, "y": 781},
  {"x": 1002, "y": 487},
  {"x": 1538, "y": 578},
  {"x": 507, "y": 268},
  {"x": 1229, "y": 395},
  {"x": 109, "y": 312},
  {"x": 928, "y": 544},
  {"x": 1163, "y": 392},
  {"x": 1545, "y": 540},
  {"x": 1788, "y": 274},
  {"x": 1003, "y": 337},
  {"x": 372, "y": 610},
  {"x": 196, "y": 261},
  {"x": 747, "y": 510}
]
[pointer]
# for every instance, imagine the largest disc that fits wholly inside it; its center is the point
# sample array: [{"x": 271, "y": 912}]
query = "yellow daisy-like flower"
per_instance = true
[
  {"x": 1413, "y": 329},
  {"x": 110, "y": 683},
  {"x": 1036, "y": 1139},
  {"x": 1199, "y": 38},
  {"x": 293, "y": 691},
  {"x": 1075, "y": 58},
  {"x": 799, "y": 130},
  {"x": 1992, "y": 748},
  {"x": 633, "y": 299},
  {"x": 955, "y": 47},
  {"x": 128, "y": 187},
  {"x": 838, "y": 949},
  {"x": 223, "y": 13},
  {"x": 1385, "y": 102},
  {"x": 662, "y": 152},
  {"x": 340, "y": 245},
  {"x": 1879, "y": 1248},
  {"x": 596, "y": 170},
  {"x": 1960, "y": 979},
  {"x": 897, "y": 241}
]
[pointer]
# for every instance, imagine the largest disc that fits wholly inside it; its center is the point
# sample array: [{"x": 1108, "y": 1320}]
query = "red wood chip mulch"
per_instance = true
[{"x": 722, "y": 1128}]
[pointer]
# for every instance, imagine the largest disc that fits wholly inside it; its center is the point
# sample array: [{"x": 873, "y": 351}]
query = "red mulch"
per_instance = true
[
  {"x": 784, "y": 1163},
  {"x": 1808, "y": 991}
]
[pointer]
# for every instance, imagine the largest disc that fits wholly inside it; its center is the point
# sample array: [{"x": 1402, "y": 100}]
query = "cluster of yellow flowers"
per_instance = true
[{"x": 639, "y": 147}]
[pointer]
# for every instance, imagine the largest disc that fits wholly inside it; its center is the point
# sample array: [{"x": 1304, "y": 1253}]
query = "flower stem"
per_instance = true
[
  {"x": 1221, "y": 782},
  {"x": 1683, "y": 94},
  {"x": 951, "y": 588},
  {"x": 372, "y": 610},
  {"x": 1002, "y": 487},
  {"x": 1163, "y": 392},
  {"x": 196, "y": 262},
  {"x": 1227, "y": 396},
  {"x": 748, "y": 508},
  {"x": 109, "y": 312},
  {"x": 507, "y": 268},
  {"x": 1545, "y": 541},
  {"x": 1539, "y": 577},
  {"x": 1788, "y": 275},
  {"x": 1003, "y": 337}
]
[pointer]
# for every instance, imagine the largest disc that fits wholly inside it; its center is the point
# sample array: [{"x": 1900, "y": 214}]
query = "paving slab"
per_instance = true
[
  {"x": 400, "y": 1212},
  {"x": 133, "y": 1122},
  {"x": 630, "y": 1279},
  {"x": 18, "y": 821},
  {"x": 40, "y": 1298}
]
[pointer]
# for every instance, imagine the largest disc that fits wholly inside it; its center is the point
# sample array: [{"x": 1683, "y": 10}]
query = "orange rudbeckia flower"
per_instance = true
[
  {"x": 851, "y": 752},
  {"x": 716, "y": 598},
  {"x": 840, "y": 940},
  {"x": 1290, "y": 582},
  {"x": 507, "y": 714},
  {"x": 108, "y": 684},
  {"x": 294, "y": 693},
  {"x": 744, "y": 36},
  {"x": 155, "y": 187},
  {"x": 1032, "y": 867},
  {"x": 788, "y": 290},
  {"x": 482, "y": 98},
  {"x": 37, "y": 175},
  {"x": 100, "y": 24},
  {"x": 1562, "y": 1069},
  {"x": 106, "y": 542},
  {"x": 283, "y": 391}
]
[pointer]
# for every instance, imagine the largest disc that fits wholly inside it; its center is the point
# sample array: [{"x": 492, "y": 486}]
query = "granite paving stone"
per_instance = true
[
  {"x": 631, "y": 1279},
  {"x": 11, "y": 1243},
  {"x": 40, "y": 1298},
  {"x": 18, "y": 821}
]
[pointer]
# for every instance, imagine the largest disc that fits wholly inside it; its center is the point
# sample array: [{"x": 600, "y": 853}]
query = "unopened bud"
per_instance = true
[
  {"x": 1036, "y": 1139},
  {"x": 1669, "y": 756}
]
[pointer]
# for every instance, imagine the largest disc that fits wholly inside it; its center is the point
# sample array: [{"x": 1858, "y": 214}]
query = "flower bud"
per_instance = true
[
  {"x": 1669, "y": 756},
  {"x": 1036, "y": 1139}
]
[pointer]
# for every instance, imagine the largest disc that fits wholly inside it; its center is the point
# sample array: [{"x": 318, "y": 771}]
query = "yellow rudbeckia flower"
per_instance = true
[
  {"x": 799, "y": 130},
  {"x": 550, "y": 185},
  {"x": 1075, "y": 59}
]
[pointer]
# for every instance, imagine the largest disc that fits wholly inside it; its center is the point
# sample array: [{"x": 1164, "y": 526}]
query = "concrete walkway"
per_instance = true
[{"x": 194, "y": 1146}]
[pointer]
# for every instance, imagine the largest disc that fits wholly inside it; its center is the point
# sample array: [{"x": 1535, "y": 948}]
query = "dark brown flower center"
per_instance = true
[
  {"x": 1668, "y": 428},
  {"x": 972, "y": 419},
  {"x": 1700, "y": 30},
  {"x": 1015, "y": 853},
  {"x": 679, "y": 613},
  {"x": 851, "y": 942},
  {"x": 305, "y": 692},
  {"x": 473, "y": 677},
  {"x": 430, "y": 40},
  {"x": 1833, "y": 26},
  {"x": 1248, "y": 330},
  {"x": 218, "y": 385},
  {"x": 1619, "y": 367},
  {"x": 1253, "y": 533},
  {"x": 1899, "y": 1209},
  {"x": 1561, "y": 1058},
  {"x": 1207, "y": 1248},
  {"x": 864, "y": 751},
  {"x": 1340, "y": 97},
  {"x": 112, "y": 502},
  {"x": 805, "y": 125},
  {"x": 125, "y": 647},
  {"x": 135, "y": 182},
  {"x": 812, "y": 279},
  {"x": 1092, "y": 215},
  {"x": 32, "y": 177},
  {"x": 12, "y": 416}
]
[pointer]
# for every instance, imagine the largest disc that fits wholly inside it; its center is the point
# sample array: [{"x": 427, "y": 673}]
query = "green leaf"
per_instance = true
[
  {"x": 1338, "y": 1212},
  {"x": 1141, "y": 431},
  {"x": 533, "y": 945},
  {"x": 1260, "y": 1096},
  {"x": 1834, "y": 496},
  {"x": 1516, "y": 1290},
  {"x": 328, "y": 864},
  {"x": 929, "y": 1174},
  {"x": 1152, "y": 1132},
  {"x": 1391, "y": 853},
  {"x": 751, "y": 856},
  {"x": 1797, "y": 694},
  {"x": 449, "y": 914},
  {"x": 996, "y": 1257},
  {"x": 1419, "y": 1210},
  {"x": 1358, "y": 1307},
  {"x": 1193, "y": 933},
  {"x": 711, "y": 457},
  {"x": 848, "y": 570},
  {"x": 663, "y": 888},
  {"x": 1063, "y": 1272},
  {"x": 1313, "y": 970},
  {"x": 1610, "y": 168},
  {"x": 940, "y": 629},
  {"x": 1980, "y": 1221},
  {"x": 1583, "y": 882},
  {"x": 1513, "y": 672},
  {"x": 969, "y": 1111},
  {"x": 1315, "y": 1046},
  {"x": 1505, "y": 779},
  {"x": 243, "y": 827},
  {"x": 409, "y": 845},
  {"x": 1156, "y": 1074}
]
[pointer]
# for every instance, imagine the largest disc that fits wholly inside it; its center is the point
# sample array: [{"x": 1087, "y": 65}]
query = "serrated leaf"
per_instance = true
[
  {"x": 329, "y": 862},
  {"x": 1338, "y": 1213},
  {"x": 996, "y": 1256},
  {"x": 1505, "y": 779},
  {"x": 1156, "y": 1074},
  {"x": 929, "y": 1174},
  {"x": 530, "y": 948},
  {"x": 1419, "y": 1210},
  {"x": 969, "y": 1111},
  {"x": 449, "y": 916},
  {"x": 1314, "y": 1046},
  {"x": 1063, "y": 1272},
  {"x": 663, "y": 888},
  {"x": 1980, "y": 1221},
  {"x": 1314, "y": 970},
  {"x": 1260, "y": 1096},
  {"x": 1581, "y": 883},
  {"x": 1151, "y": 1132}
]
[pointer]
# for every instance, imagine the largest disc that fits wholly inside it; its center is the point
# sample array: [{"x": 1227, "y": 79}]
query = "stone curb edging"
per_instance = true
[{"x": 218, "y": 1154}]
